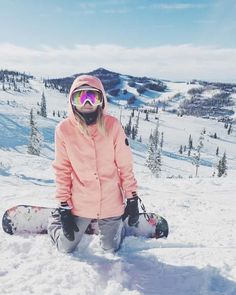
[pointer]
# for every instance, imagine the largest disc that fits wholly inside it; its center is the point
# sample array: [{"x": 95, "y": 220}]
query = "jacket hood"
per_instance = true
[{"x": 88, "y": 80}]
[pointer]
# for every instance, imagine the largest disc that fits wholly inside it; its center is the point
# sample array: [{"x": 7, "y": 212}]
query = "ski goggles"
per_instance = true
[{"x": 80, "y": 97}]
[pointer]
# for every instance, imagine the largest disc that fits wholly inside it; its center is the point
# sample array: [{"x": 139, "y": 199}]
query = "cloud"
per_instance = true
[
  {"x": 205, "y": 22},
  {"x": 182, "y": 62},
  {"x": 115, "y": 11},
  {"x": 177, "y": 6}
]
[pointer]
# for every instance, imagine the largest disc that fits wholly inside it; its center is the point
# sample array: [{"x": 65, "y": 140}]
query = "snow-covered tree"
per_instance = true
[
  {"x": 162, "y": 140},
  {"x": 153, "y": 160},
  {"x": 43, "y": 106},
  {"x": 197, "y": 154},
  {"x": 137, "y": 124},
  {"x": 150, "y": 137},
  {"x": 35, "y": 142},
  {"x": 156, "y": 136},
  {"x": 222, "y": 166}
]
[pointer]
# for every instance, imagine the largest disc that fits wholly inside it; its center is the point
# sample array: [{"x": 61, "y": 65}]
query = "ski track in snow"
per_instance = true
[{"x": 199, "y": 256}]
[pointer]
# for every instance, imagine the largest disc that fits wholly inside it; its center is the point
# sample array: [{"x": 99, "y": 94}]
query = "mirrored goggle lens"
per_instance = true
[{"x": 79, "y": 98}]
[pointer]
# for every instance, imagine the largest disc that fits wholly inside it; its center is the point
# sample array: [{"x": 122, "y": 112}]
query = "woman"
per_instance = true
[{"x": 94, "y": 171}]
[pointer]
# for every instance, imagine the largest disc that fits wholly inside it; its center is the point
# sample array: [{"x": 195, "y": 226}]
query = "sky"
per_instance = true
[{"x": 177, "y": 40}]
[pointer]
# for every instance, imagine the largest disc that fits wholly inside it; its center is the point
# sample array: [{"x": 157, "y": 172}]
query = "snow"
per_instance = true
[{"x": 199, "y": 255}]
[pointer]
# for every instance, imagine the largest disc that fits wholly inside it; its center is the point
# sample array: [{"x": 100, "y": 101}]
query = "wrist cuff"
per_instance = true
[
  {"x": 133, "y": 195},
  {"x": 65, "y": 205}
]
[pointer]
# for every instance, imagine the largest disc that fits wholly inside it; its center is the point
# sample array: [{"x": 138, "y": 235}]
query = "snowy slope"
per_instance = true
[{"x": 199, "y": 255}]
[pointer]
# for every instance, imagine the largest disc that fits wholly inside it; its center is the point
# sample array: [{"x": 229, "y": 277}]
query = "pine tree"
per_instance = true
[
  {"x": 190, "y": 145},
  {"x": 150, "y": 138},
  {"x": 222, "y": 166},
  {"x": 156, "y": 136},
  {"x": 197, "y": 154},
  {"x": 43, "y": 106},
  {"x": 150, "y": 156},
  {"x": 133, "y": 135},
  {"x": 35, "y": 142},
  {"x": 137, "y": 124},
  {"x": 162, "y": 140},
  {"x": 157, "y": 163},
  {"x": 190, "y": 142},
  {"x": 181, "y": 149},
  {"x": 153, "y": 161},
  {"x": 217, "y": 151},
  {"x": 230, "y": 129},
  {"x": 14, "y": 84},
  {"x": 128, "y": 128}
]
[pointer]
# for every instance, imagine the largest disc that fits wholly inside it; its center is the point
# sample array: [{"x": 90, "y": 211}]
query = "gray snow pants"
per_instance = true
[{"x": 111, "y": 230}]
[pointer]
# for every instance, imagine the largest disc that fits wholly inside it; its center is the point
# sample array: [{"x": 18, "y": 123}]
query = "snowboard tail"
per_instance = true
[{"x": 26, "y": 219}]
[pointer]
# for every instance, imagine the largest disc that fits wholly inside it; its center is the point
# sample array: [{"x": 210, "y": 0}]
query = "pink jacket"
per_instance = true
[{"x": 93, "y": 174}]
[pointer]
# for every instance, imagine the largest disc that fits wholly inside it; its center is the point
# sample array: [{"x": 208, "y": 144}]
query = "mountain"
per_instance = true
[
  {"x": 199, "y": 255},
  {"x": 196, "y": 98}
]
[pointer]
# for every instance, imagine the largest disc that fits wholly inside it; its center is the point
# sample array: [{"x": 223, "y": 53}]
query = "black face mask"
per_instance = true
[{"x": 90, "y": 118}]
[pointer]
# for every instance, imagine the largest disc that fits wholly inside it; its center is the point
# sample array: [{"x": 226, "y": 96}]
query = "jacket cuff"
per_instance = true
[
  {"x": 130, "y": 195},
  {"x": 66, "y": 204}
]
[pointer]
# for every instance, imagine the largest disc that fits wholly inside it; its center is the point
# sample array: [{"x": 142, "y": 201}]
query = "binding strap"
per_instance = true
[{"x": 144, "y": 210}]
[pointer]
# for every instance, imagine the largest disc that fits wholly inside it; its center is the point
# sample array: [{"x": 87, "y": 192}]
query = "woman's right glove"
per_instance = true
[
  {"x": 132, "y": 211},
  {"x": 67, "y": 220}
]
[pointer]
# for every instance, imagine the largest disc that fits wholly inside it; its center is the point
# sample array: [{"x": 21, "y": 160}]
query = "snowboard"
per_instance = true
[{"x": 27, "y": 219}]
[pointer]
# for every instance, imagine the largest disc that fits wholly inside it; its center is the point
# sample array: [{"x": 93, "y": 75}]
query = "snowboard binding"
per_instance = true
[{"x": 162, "y": 228}]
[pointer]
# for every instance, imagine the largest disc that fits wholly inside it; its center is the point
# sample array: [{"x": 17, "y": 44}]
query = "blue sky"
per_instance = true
[
  {"x": 36, "y": 26},
  {"x": 127, "y": 23}
]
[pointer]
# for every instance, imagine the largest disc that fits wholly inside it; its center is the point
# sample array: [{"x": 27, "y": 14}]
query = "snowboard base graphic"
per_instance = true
[{"x": 26, "y": 219}]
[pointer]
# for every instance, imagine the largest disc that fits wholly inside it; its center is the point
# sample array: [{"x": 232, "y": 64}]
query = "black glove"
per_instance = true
[
  {"x": 132, "y": 211},
  {"x": 67, "y": 220}
]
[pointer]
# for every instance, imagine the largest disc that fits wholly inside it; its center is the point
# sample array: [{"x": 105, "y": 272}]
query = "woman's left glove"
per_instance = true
[
  {"x": 132, "y": 210},
  {"x": 67, "y": 221}
]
